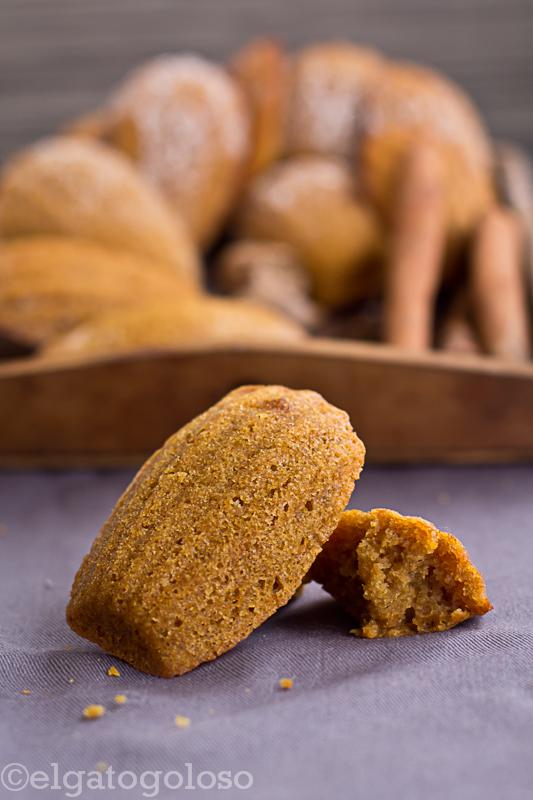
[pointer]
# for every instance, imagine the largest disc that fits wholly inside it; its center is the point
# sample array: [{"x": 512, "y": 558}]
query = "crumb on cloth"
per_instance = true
[
  {"x": 93, "y": 711},
  {"x": 286, "y": 683}
]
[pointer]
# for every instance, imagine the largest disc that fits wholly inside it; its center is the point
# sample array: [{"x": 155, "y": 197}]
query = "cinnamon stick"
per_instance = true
[
  {"x": 417, "y": 250},
  {"x": 515, "y": 179},
  {"x": 498, "y": 285}
]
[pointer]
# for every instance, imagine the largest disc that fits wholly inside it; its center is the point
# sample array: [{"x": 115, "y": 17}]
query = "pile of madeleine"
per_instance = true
[{"x": 328, "y": 192}]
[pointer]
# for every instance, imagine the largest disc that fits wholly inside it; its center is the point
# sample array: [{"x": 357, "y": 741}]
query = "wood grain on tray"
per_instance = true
[{"x": 407, "y": 408}]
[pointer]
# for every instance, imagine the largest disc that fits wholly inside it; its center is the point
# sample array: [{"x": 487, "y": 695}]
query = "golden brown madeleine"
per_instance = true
[
  {"x": 189, "y": 322},
  {"x": 82, "y": 188},
  {"x": 399, "y": 575},
  {"x": 413, "y": 103},
  {"x": 310, "y": 202},
  {"x": 217, "y": 530},
  {"x": 50, "y": 284},
  {"x": 185, "y": 123},
  {"x": 330, "y": 85},
  {"x": 263, "y": 70}
]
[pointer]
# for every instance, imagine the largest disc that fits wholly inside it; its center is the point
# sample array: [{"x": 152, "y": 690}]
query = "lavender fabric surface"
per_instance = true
[{"x": 438, "y": 716}]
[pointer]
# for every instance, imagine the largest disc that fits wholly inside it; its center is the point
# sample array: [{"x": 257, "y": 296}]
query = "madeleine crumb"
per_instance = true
[
  {"x": 93, "y": 711},
  {"x": 120, "y": 699},
  {"x": 26, "y": 691},
  {"x": 71, "y": 680},
  {"x": 286, "y": 683},
  {"x": 101, "y": 766},
  {"x": 113, "y": 672},
  {"x": 182, "y": 722}
]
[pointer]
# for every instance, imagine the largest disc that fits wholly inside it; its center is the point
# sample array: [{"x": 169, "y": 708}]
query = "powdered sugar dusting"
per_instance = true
[
  {"x": 191, "y": 135},
  {"x": 289, "y": 183},
  {"x": 413, "y": 97},
  {"x": 87, "y": 175},
  {"x": 84, "y": 188},
  {"x": 82, "y": 170},
  {"x": 183, "y": 106},
  {"x": 330, "y": 88}
]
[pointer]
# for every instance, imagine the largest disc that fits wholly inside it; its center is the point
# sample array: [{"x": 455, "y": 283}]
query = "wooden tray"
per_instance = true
[{"x": 407, "y": 408}]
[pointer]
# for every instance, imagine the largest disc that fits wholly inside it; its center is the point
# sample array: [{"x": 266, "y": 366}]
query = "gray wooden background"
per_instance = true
[{"x": 59, "y": 57}]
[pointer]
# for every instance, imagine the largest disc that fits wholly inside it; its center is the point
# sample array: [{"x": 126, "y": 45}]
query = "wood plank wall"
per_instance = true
[{"x": 59, "y": 57}]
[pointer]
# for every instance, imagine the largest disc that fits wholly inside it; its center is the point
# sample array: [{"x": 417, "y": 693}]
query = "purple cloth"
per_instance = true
[{"x": 438, "y": 716}]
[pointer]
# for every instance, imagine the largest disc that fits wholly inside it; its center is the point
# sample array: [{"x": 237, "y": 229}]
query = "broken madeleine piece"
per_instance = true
[{"x": 399, "y": 575}]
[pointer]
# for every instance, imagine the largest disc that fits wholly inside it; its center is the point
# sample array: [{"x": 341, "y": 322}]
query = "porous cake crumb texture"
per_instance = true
[{"x": 399, "y": 575}]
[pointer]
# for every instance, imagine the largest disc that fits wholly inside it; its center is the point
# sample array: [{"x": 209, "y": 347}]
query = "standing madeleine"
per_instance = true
[{"x": 217, "y": 530}]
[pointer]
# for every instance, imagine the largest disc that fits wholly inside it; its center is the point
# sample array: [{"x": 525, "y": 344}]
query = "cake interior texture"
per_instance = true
[{"x": 399, "y": 575}]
